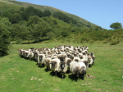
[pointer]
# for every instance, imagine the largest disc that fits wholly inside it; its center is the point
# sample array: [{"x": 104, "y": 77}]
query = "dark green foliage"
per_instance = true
[
  {"x": 18, "y": 32},
  {"x": 47, "y": 13},
  {"x": 16, "y": 17},
  {"x": 114, "y": 42},
  {"x": 64, "y": 33},
  {"x": 22, "y": 9},
  {"x": 33, "y": 24},
  {"x": 61, "y": 16},
  {"x": 64, "y": 18},
  {"x": 24, "y": 15},
  {"x": 97, "y": 28},
  {"x": 4, "y": 36},
  {"x": 33, "y": 20},
  {"x": 116, "y": 25}
]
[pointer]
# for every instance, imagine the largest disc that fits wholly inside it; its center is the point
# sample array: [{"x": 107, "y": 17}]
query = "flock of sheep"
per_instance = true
[{"x": 62, "y": 59}]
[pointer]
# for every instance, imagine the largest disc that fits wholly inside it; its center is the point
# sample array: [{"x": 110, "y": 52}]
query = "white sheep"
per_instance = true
[
  {"x": 48, "y": 61},
  {"x": 41, "y": 59},
  {"x": 82, "y": 69},
  {"x": 74, "y": 68},
  {"x": 55, "y": 63}
]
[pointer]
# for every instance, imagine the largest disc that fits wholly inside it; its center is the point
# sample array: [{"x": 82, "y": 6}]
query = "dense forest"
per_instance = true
[{"x": 33, "y": 24}]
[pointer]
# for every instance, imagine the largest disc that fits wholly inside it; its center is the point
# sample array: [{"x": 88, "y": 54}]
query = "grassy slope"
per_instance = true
[
  {"x": 6, "y": 4},
  {"x": 20, "y": 75}
]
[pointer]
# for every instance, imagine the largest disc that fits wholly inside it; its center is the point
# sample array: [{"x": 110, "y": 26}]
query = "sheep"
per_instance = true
[
  {"x": 90, "y": 59},
  {"x": 48, "y": 61},
  {"x": 55, "y": 63},
  {"x": 85, "y": 61},
  {"x": 82, "y": 70},
  {"x": 76, "y": 58},
  {"x": 21, "y": 52},
  {"x": 41, "y": 59},
  {"x": 31, "y": 56},
  {"x": 62, "y": 58},
  {"x": 63, "y": 66},
  {"x": 93, "y": 57},
  {"x": 74, "y": 68}
]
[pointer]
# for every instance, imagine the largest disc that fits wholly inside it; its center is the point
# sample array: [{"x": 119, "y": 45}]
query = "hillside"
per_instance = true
[{"x": 6, "y": 4}]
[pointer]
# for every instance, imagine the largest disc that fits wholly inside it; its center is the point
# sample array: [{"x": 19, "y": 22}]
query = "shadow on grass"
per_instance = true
[
  {"x": 31, "y": 42},
  {"x": 58, "y": 75},
  {"x": 36, "y": 41},
  {"x": 47, "y": 69},
  {"x": 40, "y": 66},
  {"x": 74, "y": 78}
]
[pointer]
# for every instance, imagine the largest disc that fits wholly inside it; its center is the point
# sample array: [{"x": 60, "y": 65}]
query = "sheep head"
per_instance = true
[
  {"x": 53, "y": 63},
  {"x": 62, "y": 58},
  {"x": 83, "y": 70},
  {"x": 62, "y": 65},
  {"x": 47, "y": 61},
  {"x": 40, "y": 57},
  {"x": 80, "y": 56},
  {"x": 76, "y": 71}
]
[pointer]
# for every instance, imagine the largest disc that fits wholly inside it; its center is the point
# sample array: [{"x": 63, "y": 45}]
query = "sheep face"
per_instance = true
[
  {"x": 62, "y": 65},
  {"x": 89, "y": 59},
  {"x": 76, "y": 71},
  {"x": 62, "y": 58},
  {"x": 47, "y": 62},
  {"x": 40, "y": 57},
  {"x": 83, "y": 70},
  {"x": 80, "y": 56},
  {"x": 53, "y": 63},
  {"x": 91, "y": 53}
]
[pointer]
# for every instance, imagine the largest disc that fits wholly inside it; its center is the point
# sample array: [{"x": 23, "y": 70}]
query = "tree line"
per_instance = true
[{"x": 33, "y": 24}]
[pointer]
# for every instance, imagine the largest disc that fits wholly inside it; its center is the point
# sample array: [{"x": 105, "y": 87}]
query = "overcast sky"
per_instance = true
[{"x": 100, "y": 12}]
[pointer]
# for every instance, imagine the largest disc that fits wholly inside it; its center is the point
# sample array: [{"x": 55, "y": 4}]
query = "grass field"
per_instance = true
[{"x": 21, "y": 75}]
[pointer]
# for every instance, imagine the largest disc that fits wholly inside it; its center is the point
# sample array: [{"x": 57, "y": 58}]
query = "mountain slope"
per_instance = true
[{"x": 4, "y": 4}]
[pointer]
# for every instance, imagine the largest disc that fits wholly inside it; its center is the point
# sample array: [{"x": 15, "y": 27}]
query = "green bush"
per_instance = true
[
  {"x": 4, "y": 36},
  {"x": 115, "y": 42},
  {"x": 18, "y": 41}
]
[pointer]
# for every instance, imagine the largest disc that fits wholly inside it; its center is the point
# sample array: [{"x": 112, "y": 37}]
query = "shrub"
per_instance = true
[
  {"x": 115, "y": 42},
  {"x": 18, "y": 41},
  {"x": 4, "y": 36}
]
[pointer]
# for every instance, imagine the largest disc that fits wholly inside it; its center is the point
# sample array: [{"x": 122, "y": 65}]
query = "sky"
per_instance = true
[{"x": 100, "y": 12}]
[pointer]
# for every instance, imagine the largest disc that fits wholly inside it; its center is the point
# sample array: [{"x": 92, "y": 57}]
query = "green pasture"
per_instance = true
[{"x": 20, "y": 75}]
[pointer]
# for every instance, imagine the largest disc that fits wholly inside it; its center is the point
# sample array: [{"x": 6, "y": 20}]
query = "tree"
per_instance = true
[
  {"x": 5, "y": 39},
  {"x": 47, "y": 13},
  {"x": 22, "y": 9},
  {"x": 16, "y": 17},
  {"x": 33, "y": 20},
  {"x": 18, "y": 32},
  {"x": 116, "y": 25}
]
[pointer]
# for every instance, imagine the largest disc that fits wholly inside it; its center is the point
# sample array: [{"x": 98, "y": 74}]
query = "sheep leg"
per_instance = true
[
  {"x": 55, "y": 73},
  {"x": 47, "y": 68},
  {"x": 72, "y": 76},
  {"x": 62, "y": 75}
]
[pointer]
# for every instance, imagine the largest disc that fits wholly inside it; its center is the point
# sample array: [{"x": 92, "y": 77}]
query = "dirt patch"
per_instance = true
[
  {"x": 34, "y": 78},
  {"x": 90, "y": 76}
]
